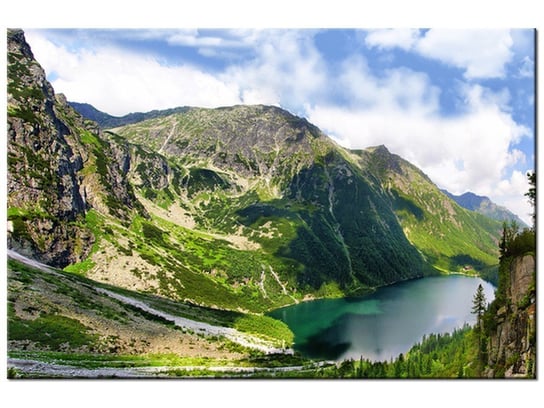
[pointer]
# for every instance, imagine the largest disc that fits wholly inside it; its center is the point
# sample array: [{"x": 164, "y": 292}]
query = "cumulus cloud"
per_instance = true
[
  {"x": 399, "y": 88},
  {"x": 470, "y": 151},
  {"x": 480, "y": 53},
  {"x": 118, "y": 81},
  {"x": 389, "y": 38},
  {"x": 287, "y": 69},
  {"x": 473, "y": 149}
]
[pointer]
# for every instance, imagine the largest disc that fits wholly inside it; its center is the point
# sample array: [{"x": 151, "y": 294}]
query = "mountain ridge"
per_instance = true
[
  {"x": 244, "y": 207},
  {"x": 485, "y": 206},
  {"x": 106, "y": 121}
]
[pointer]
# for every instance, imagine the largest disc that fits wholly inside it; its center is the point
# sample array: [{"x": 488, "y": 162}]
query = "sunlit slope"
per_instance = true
[
  {"x": 450, "y": 237},
  {"x": 278, "y": 182}
]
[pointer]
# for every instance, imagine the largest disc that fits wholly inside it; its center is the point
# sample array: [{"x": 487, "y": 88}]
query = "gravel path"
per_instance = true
[
  {"x": 40, "y": 368},
  {"x": 196, "y": 326},
  {"x": 201, "y": 327},
  {"x": 51, "y": 370}
]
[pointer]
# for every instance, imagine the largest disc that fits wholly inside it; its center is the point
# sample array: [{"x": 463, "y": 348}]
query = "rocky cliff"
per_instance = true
[
  {"x": 512, "y": 337},
  {"x": 58, "y": 167}
]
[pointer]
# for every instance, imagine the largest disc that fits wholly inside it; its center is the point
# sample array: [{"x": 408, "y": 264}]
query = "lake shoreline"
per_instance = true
[{"x": 385, "y": 323}]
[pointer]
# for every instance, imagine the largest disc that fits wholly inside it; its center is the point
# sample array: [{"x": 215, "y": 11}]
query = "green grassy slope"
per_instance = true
[{"x": 450, "y": 237}]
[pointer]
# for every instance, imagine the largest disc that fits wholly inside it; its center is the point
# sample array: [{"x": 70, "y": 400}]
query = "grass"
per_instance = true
[
  {"x": 94, "y": 361},
  {"x": 76, "y": 288},
  {"x": 266, "y": 327},
  {"x": 49, "y": 330},
  {"x": 95, "y": 222},
  {"x": 446, "y": 245}
]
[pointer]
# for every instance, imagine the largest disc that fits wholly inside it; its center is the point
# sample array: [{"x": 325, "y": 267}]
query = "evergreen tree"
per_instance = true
[
  {"x": 509, "y": 233},
  {"x": 531, "y": 194},
  {"x": 479, "y": 305}
]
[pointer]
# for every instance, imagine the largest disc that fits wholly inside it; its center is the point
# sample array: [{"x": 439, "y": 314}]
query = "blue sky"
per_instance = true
[{"x": 457, "y": 103}]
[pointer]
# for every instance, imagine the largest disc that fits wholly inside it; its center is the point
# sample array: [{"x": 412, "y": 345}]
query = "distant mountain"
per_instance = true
[
  {"x": 106, "y": 121},
  {"x": 485, "y": 206}
]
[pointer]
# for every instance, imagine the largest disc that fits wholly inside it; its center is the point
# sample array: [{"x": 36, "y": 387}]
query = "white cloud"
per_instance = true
[
  {"x": 199, "y": 38},
  {"x": 287, "y": 70},
  {"x": 388, "y": 38},
  {"x": 526, "y": 68},
  {"x": 511, "y": 193},
  {"x": 471, "y": 151},
  {"x": 399, "y": 107},
  {"x": 399, "y": 88},
  {"x": 480, "y": 53},
  {"x": 119, "y": 82},
  {"x": 516, "y": 156}
]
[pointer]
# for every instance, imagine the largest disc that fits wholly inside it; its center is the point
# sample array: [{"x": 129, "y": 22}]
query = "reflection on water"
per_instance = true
[{"x": 384, "y": 324}]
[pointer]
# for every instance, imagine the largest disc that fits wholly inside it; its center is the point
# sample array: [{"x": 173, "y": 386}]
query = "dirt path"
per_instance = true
[
  {"x": 196, "y": 326},
  {"x": 48, "y": 370},
  {"x": 201, "y": 327},
  {"x": 40, "y": 368}
]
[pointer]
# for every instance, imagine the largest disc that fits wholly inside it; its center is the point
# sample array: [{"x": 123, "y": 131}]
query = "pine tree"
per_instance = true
[
  {"x": 479, "y": 305},
  {"x": 531, "y": 194}
]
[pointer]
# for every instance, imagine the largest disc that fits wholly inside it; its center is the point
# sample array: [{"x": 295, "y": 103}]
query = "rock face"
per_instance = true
[
  {"x": 58, "y": 168},
  {"x": 44, "y": 194},
  {"x": 521, "y": 278},
  {"x": 512, "y": 344}
]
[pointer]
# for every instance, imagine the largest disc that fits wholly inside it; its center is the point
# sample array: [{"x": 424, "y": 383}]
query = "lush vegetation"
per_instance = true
[
  {"x": 449, "y": 355},
  {"x": 49, "y": 330},
  {"x": 451, "y": 238}
]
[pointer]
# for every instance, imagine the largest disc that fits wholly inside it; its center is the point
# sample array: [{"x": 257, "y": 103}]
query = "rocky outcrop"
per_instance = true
[
  {"x": 512, "y": 343},
  {"x": 44, "y": 198},
  {"x": 59, "y": 167},
  {"x": 521, "y": 278}
]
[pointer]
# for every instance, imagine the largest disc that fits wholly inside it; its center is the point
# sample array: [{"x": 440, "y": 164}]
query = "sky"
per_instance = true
[
  {"x": 453, "y": 99},
  {"x": 457, "y": 103}
]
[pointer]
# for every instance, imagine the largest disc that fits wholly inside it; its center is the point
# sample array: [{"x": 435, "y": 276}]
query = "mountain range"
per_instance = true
[
  {"x": 468, "y": 200},
  {"x": 242, "y": 207}
]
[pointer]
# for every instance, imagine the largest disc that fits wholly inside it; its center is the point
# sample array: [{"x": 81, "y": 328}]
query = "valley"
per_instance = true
[{"x": 157, "y": 245}]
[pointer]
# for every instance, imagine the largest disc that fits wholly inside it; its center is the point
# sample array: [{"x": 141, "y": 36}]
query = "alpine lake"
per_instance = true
[{"x": 381, "y": 325}]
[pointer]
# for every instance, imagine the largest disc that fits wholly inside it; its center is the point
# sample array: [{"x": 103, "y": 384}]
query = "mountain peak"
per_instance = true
[
  {"x": 484, "y": 205},
  {"x": 380, "y": 149},
  {"x": 383, "y": 161}
]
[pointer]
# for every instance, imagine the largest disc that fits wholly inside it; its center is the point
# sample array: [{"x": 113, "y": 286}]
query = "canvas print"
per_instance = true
[{"x": 271, "y": 203}]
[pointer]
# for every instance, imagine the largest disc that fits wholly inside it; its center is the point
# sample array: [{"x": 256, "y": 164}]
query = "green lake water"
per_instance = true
[{"x": 385, "y": 323}]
